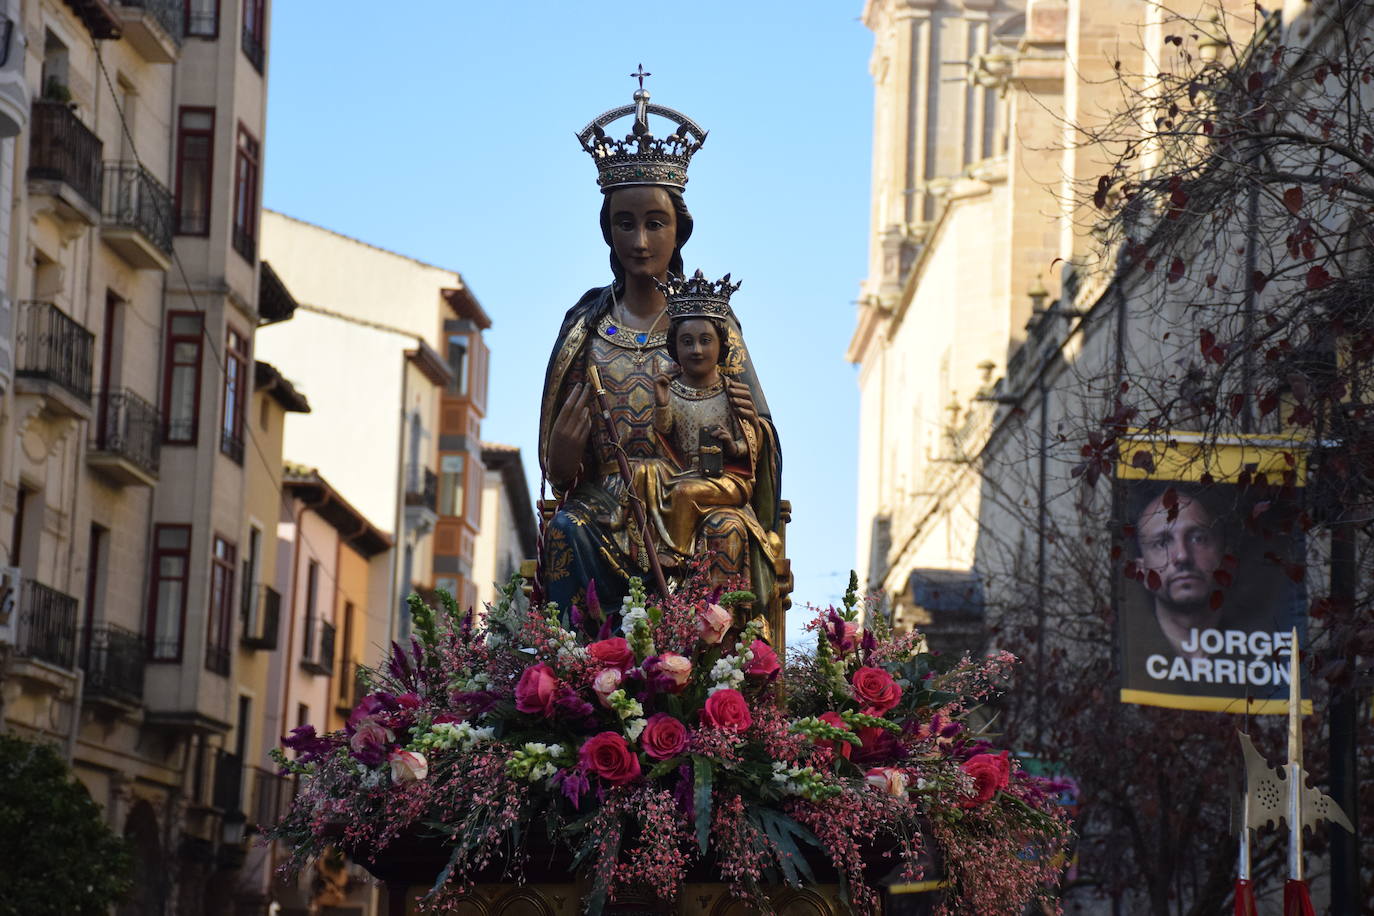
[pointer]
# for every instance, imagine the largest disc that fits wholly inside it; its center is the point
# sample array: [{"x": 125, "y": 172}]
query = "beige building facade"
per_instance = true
[
  {"x": 408, "y": 454},
  {"x": 509, "y": 534},
  {"x": 131, "y": 298}
]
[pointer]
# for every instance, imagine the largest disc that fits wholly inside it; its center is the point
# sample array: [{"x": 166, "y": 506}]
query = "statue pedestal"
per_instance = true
[{"x": 410, "y": 865}]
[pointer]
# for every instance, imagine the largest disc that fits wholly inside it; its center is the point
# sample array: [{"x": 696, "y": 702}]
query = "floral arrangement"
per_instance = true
[{"x": 675, "y": 739}]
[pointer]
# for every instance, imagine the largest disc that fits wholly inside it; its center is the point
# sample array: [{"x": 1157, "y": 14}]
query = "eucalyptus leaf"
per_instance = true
[{"x": 701, "y": 799}]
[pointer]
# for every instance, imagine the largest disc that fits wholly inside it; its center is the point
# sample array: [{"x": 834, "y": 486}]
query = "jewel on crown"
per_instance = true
[
  {"x": 698, "y": 297},
  {"x": 641, "y": 158}
]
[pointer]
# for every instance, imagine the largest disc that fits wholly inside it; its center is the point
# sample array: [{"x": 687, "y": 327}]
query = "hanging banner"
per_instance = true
[{"x": 1213, "y": 562}]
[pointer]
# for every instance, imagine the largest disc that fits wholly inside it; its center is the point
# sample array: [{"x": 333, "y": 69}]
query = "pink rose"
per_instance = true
[
  {"x": 675, "y": 668},
  {"x": 875, "y": 690},
  {"x": 535, "y": 691},
  {"x": 765, "y": 663},
  {"x": 612, "y": 653},
  {"x": 606, "y": 682},
  {"x": 715, "y": 621},
  {"x": 663, "y": 736},
  {"x": 889, "y": 780},
  {"x": 727, "y": 709},
  {"x": 608, "y": 756},
  {"x": 369, "y": 741},
  {"x": 991, "y": 773},
  {"x": 840, "y": 748},
  {"x": 408, "y": 766}
]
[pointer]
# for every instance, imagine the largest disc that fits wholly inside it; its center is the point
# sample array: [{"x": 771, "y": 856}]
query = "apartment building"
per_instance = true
[
  {"x": 510, "y": 534},
  {"x": 132, "y": 297},
  {"x": 408, "y": 455}
]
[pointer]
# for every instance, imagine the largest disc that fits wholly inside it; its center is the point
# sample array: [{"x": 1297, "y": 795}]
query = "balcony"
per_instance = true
[
  {"x": 47, "y": 625},
  {"x": 137, "y": 216},
  {"x": 65, "y": 163},
  {"x": 227, "y": 787},
  {"x": 127, "y": 441},
  {"x": 319, "y": 658},
  {"x": 153, "y": 27},
  {"x": 53, "y": 358},
  {"x": 261, "y": 614},
  {"x": 270, "y": 797},
  {"x": 113, "y": 659},
  {"x": 422, "y": 499}
]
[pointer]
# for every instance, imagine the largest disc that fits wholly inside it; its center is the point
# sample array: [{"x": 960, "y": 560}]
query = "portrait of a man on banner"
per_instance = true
[{"x": 1211, "y": 580}]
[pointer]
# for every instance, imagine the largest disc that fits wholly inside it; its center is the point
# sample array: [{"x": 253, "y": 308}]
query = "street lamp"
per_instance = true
[
  {"x": 1210, "y": 41},
  {"x": 1038, "y": 294}
]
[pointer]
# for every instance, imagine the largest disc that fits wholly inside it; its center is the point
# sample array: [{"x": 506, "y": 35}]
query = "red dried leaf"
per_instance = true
[
  {"x": 1152, "y": 580},
  {"x": 1143, "y": 460},
  {"x": 1229, "y": 562},
  {"x": 1237, "y": 404},
  {"x": 1259, "y": 280},
  {"x": 1206, "y": 341},
  {"x": 1295, "y": 571},
  {"x": 1292, "y": 199},
  {"x": 1317, "y": 277},
  {"x": 1217, "y": 598},
  {"x": 1211, "y": 280},
  {"x": 1222, "y": 577},
  {"x": 1176, "y": 270}
]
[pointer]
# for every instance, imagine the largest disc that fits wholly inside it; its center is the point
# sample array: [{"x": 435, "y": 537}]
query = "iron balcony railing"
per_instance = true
[
  {"x": 350, "y": 689},
  {"x": 321, "y": 660},
  {"x": 47, "y": 625},
  {"x": 422, "y": 488},
  {"x": 261, "y": 615},
  {"x": 134, "y": 199},
  {"x": 227, "y": 788},
  {"x": 114, "y": 659},
  {"x": 170, "y": 14},
  {"x": 52, "y": 346},
  {"x": 63, "y": 149},
  {"x": 270, "y": 798},
  {"x": 129, "y": 427}
]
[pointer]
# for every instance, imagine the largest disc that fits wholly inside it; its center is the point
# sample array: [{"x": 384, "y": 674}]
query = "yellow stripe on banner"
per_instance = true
[
  {"x": 1224, "y": 457},
  {"x": 1211, "y": 704},
  {"x": 917, "y": 887}
]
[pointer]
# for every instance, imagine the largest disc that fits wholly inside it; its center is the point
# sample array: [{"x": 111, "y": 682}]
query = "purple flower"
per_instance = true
[
  {"x": 573, "y": 783},
  {"x": 569, "y": 705},
  {"x": 307, "y": 745}
]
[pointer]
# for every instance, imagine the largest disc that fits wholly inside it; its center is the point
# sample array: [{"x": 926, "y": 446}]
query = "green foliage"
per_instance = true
[{"x": 57, "y": 856}]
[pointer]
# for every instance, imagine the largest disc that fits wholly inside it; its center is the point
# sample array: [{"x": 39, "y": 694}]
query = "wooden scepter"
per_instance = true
[{"x": 636, "y": 504}]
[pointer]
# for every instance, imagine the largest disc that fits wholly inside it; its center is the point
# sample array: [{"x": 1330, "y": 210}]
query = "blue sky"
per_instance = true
[{"x": 447, "y": 134}]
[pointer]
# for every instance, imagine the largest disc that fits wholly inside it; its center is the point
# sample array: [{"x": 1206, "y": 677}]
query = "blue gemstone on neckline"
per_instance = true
[
  {"x": 641, "y": 338},
  {"x": 611, "y": 329}
]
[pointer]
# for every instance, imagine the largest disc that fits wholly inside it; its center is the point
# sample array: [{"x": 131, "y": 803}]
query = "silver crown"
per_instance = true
[
  {"x": 641, "y": 158},
  {"x": 698, "y": 297}
]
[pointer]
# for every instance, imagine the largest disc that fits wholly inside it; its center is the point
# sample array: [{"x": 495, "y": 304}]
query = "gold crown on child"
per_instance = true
[{"x": 698, "y": 297}]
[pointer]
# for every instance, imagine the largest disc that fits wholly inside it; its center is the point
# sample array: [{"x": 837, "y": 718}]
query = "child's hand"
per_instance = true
[
  {"x": 727, "y": 442},
  {"x": 661, "y": 382}
]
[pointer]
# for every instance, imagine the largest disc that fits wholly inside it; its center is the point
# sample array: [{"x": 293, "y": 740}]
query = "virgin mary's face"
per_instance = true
[{"x": 643, "y": 230}]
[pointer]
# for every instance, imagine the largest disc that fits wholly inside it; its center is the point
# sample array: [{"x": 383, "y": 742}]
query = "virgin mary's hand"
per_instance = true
[
  {"x": 568, "y": 436},
  {"x": 742, "y": 400}
]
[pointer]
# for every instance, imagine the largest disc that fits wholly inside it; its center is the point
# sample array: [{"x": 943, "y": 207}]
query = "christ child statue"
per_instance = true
[{"x": 697, "y": 493}]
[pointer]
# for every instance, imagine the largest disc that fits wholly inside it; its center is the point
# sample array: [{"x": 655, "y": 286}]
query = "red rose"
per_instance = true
[
  {"x": 612, "y": 653},
  {"x": 608, "y": 756},
  {"x": 875, "y": 690},
  {"x": 877, "y": 745},
  {"x": 534, "y": 693},
  {"x": 663, "y": 736},
  {"x": 765, "y": 663},
  {"x": 991, "y": 773},
  {"x": 841, "y": 748},
  {"x": 727, "y": 709}
]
